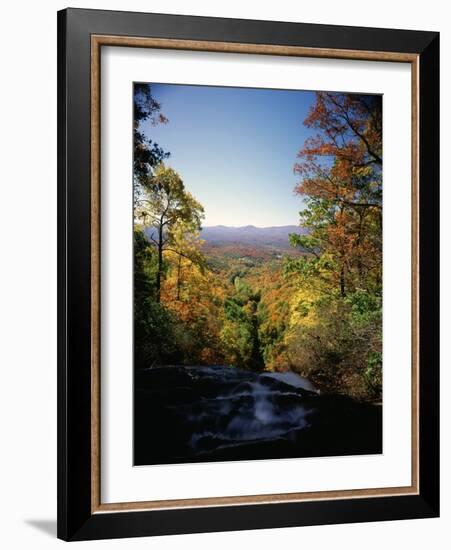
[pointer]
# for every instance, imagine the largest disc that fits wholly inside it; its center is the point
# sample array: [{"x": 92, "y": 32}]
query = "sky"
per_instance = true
[{"x": 235, "y": 149}]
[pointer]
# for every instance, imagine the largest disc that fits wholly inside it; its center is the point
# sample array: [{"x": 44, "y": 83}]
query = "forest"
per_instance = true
[{"x": 312, "y": 306}]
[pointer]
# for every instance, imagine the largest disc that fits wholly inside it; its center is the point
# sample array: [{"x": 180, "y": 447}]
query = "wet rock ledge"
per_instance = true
[{"x": 216, "y": 413}]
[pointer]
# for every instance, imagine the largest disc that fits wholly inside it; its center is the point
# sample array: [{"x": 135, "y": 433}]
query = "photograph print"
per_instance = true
[{"x": 257, "y": 227}]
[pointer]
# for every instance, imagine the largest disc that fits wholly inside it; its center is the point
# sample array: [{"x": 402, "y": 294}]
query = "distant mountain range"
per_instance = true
[{"x": 250, "y": 235}]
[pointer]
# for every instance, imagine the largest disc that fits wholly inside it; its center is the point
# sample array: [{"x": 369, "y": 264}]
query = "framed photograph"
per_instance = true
[{"x": 248, "y": 274}]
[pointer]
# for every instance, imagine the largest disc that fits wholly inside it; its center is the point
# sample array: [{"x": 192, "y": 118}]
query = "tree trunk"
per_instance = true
[
  {"x": 359, "y": 252},
  {"x": 342, "y": 282},
  {"x": 160, "y": 261},
  {"x": 179, "y": 274}
]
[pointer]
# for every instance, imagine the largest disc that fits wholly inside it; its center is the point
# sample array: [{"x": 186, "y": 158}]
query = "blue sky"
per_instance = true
[{"x": 235, "y": 149}]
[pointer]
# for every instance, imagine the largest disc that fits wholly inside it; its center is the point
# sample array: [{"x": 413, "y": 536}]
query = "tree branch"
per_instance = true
[{"x": 345, "y": 116}]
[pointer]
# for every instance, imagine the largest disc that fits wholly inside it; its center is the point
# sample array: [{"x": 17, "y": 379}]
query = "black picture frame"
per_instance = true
[{"x": 76, "y": 521}]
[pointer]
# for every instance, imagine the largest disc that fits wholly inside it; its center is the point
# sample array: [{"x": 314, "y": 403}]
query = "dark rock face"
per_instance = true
[{"x": 216, "y": 413}]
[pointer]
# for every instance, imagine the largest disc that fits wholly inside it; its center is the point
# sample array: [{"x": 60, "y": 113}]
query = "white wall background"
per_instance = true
[{"x": 28, "y": 272}]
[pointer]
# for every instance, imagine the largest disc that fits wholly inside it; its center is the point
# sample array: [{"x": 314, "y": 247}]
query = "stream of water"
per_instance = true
[{"x": 186, "y": 414}]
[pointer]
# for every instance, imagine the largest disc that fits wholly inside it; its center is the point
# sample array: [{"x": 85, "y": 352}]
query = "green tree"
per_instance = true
[
  {"x": 146, "y": 153},
  {"x": 240, "y": 333},
  {"x": 154, "y": 326},
  {"x": 165, "y": 207}
]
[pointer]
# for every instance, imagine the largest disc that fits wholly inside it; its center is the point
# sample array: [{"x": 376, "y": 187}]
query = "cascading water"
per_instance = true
[{"x": 187, "y": 414}]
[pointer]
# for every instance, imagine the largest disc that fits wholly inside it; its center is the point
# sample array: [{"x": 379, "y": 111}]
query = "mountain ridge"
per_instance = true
[{"x": 276, "y": 235}]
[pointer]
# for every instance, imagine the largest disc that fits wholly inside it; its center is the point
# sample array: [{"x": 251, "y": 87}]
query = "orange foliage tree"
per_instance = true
[
  {"x": 341, "y": 184},
  {"x": 337, "y": 336}
]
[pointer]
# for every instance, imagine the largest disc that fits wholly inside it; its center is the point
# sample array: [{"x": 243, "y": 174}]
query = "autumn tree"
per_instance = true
[
  {"x": 338, "y": 335},
  {"x": 168, "y": 210},
  {"x": 186, "y": 247},
  {"x": 341, "y": 184},
  {"x": 198, "y": 309}
]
